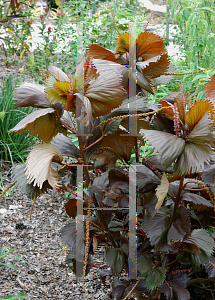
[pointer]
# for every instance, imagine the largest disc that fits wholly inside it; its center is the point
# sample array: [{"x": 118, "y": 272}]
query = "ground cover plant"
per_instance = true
[
  {"x": 174, "y": 188},
  {"x": 4, "y": 253}
]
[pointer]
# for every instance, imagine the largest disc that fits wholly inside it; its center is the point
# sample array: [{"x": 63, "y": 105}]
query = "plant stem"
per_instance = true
[
  {"x": 102, "y": 220},
  {"x": 68, "y": 127},
  {"x": 177, "y": 200},
  {"x": 137, "y": 150}
]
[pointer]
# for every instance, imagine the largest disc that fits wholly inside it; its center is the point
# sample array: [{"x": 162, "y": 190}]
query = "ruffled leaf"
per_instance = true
[
  {"x": 149, "y": 45},
  {"x": 210, "y": 268},
  {"x": 38, "y": 165},
  {"x": 18, "y": 174},
  {"x": 57, "y": 85},
  {"x": 197, "y": 149},
  {"x": 156, "y": 229},
  {"x": 195, "y": 114},
  {"x": 115, "y": 147},
  {"x": 31, "y": 94},
  {"x": 161, "y": 191},
  {"x": 106, "y": 93},
  {"x": 156, "y": 277},
  {"x": 175, "y": 287},
  {"x": 205, "y": 243},
  {"x": 169, "y": 146},
  {"x": 105, "y": 65},
  {"x": 73, "y": 238},
  {"x": 115, "y": 259},
  {"x": 87, "y": 115},
  {"x": 155, "y": 66},
  {"x": 198, "y": 201},
  {"x": 65, "y": 145},
  {"x": 122, "y": 43},
  {"x": 99, "y": 52},
  {"x": 42, "y": 123}
]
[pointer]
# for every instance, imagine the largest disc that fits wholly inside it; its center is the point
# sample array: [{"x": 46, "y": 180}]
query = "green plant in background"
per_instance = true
[
  {"x": 12, "y": 147},
  {"x": 20, "y": 37},
  {"x": 3, "y": 188},
  {"x": 13, "y": 297},
  {"x": 96, "y": 22},
  {"x": 196, "y": 22},
  {"x": 15, "y": 22},
  {"x": 6, "y": 252}
]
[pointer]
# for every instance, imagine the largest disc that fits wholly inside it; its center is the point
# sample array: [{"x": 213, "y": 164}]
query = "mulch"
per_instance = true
[{"x": 38, "y": 242}]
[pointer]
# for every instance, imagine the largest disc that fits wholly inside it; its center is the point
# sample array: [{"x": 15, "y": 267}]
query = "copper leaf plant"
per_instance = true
[{"x": 174, "y": 186}]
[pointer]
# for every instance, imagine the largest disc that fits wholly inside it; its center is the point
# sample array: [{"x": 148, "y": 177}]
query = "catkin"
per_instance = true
[{"x": 87, "y": 241}]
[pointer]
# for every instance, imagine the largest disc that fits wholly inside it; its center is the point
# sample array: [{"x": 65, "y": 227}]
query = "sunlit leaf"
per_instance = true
[
  {"x": 149, "y": 45},
  {"x": 155, "y": 66},
  {"x": 99, "y": 52},
  {"x": 180, "y": 106},
  {"x": 31, "y": 94},
  {"x": 122, "y": 43},
  {"x": 105, "y": 65},
  {"x": 161, "y": 191},
  {"x": 42, "y": 123},
  {"x": 57, "y": 85},
  {"x": 57, "y": 73},
  {"x": 61, "y": 87},
  {"x": 106, "y": 93},
  {"x": 38, "y": 165},
  {"x": 197, "y": 111},
  {"x": 18, "y": 174}
]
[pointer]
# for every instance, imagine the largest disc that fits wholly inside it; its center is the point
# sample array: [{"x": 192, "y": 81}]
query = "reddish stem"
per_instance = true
[
  {"x": 67, "y": 126},
  {"x": 171, "y": 263}
]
